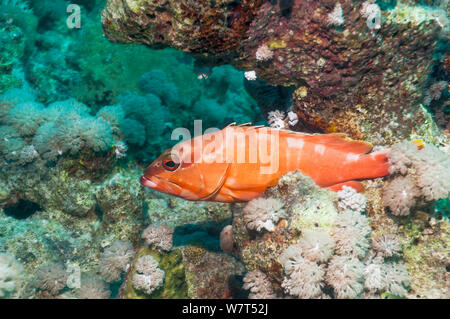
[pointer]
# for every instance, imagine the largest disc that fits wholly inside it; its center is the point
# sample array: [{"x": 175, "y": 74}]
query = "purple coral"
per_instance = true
[
  {"x": 115, "y": 260},
  {"x": 161, "y": 237}
]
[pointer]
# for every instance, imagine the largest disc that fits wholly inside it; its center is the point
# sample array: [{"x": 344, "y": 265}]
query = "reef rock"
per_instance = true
[{"x": 353, "y": 67}]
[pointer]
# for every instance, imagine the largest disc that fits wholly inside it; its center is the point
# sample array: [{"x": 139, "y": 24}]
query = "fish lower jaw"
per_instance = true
[{"x": 147, "y": 182}]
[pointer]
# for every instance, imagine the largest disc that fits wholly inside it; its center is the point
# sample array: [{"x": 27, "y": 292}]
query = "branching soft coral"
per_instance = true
[
  {"x": 383, "y": 276},
  {"x": 346, "y": 275},
  {"x": 26, "y": 117},
  {"x": 11, "y": 275},
  {"x": 51, "y": 277},
  {"x": 304, "y": 278},
  {"x": 427, "y": 173},
  {"x": 156, "y": 82},
  {"x": 316, "y": 246},
  {"x": 401, "y": 194},
  {"x": 148, "y": 276},
  {"x": 387, "y": 245},
  {"x": 351, "y": 231},
  {"x": 349, "y": 198},
  {"x": 161, "y": 237},
  {"x": 57, "y": 138},
  {"x": 93, "y": 287},
  {"x": 115, "y": 260},
  {"x": 259, "y": 285},
  {"x": 263, "y": 213}
]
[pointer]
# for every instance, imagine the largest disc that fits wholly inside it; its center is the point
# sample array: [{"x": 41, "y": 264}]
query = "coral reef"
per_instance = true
[
  {"x": 329, "y": 64},
  {"x": 51, "y": 278},
  {"x": 336, "y": 252},
  {"x": 93, "y": 287},
  {"x": 259, "y": 285},
  {"x": 417, "y": 173},
  {"x": 115, "y": 260},
  {"x": 11, "y": 276},
  {"x": 80, "y": 116},
  {"x": 160, "y": 237},
  {"x": 148, "y": 276}
]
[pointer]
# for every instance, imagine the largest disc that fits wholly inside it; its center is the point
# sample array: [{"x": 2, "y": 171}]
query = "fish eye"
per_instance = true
[{"x": 170, "y": 165}]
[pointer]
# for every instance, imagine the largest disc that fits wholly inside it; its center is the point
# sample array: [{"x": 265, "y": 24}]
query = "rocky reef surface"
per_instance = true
[{"x": 356, "y": 66}]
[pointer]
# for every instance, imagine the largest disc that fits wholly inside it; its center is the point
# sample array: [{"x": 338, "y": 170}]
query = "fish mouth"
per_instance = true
[
  {"x": 147, "y": 182},
  {"x": 165, "y": 186}
]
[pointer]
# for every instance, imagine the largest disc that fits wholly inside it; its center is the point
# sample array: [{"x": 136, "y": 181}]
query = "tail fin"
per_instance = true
[{"x": 371, "y": 165}]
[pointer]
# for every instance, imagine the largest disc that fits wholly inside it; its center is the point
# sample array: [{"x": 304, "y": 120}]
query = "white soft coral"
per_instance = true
[{"x": 11, "y": 275}]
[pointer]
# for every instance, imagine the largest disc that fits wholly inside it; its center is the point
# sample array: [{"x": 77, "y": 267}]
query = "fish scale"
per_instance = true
[{"x": 331, "y": 160}]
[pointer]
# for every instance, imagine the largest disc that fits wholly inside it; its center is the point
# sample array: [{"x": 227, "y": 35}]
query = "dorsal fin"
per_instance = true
[{"x": 341, "y": 142}]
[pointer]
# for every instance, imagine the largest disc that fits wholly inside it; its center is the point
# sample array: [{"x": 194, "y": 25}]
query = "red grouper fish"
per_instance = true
[{"x": 238, "y": 163}]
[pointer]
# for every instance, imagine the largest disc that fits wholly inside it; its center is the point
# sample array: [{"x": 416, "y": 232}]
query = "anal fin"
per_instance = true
[{"x": 358, "y": 186}]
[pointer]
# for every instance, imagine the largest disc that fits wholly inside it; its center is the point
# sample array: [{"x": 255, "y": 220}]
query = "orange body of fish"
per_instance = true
[{"x": 238, "y": 163}]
